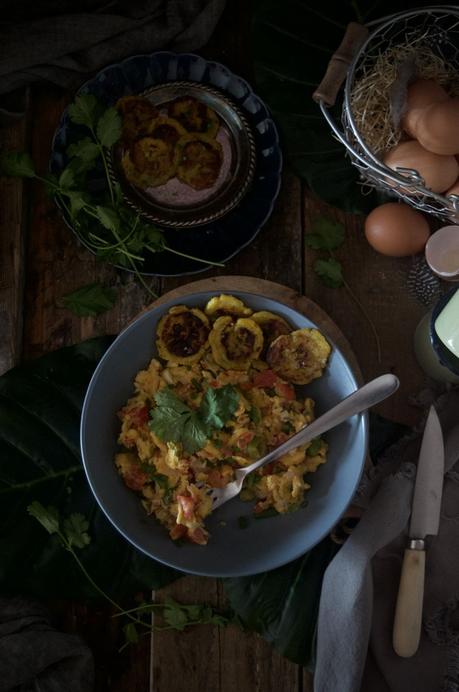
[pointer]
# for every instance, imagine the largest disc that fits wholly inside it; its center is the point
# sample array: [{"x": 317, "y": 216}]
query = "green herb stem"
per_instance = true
[
  {"x": 95, "y": 586},
  {"x": 184, "y": 254},
  {"x": 43, "y": 479}
]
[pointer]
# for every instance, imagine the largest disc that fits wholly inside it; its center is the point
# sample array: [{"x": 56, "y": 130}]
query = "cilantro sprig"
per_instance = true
[
  {"x": 72, "y": 533},
  {"x": 326, "y": 236},
  {"x": 172, "y": 420},
  {"x": 90, "y": 300},
  {"x": 111, "y": 229}
]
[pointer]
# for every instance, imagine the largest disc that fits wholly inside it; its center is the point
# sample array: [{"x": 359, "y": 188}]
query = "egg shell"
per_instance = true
[
  {"x": 439, "y": 172},
  {"x": 454, "y": 190},
  {"x": 419, "y": 95},
  {"x": 437, "y": 128},
  {"x": 396, "y": 230}
]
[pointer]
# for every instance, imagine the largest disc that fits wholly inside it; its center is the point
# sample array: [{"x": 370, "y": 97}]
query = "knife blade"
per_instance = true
[{"x": 425, "y": 519}]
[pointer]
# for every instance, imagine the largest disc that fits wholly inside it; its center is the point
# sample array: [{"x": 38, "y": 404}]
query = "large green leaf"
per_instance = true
[
  {"x": 282, "y": 605},
  {"x": 293, "y": 41},
  {"x": 40, "y": 406}
]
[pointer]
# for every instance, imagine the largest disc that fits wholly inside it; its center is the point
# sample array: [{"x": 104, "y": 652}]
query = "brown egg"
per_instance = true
[
  {"x": 419, "y": 95},
  {"x": 396, "y": 230},
  {"x": 438, "y": 172},
  {"x": 437, "y": 128}
]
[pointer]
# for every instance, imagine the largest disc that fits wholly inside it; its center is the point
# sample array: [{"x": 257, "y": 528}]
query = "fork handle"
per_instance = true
[{"x": 362, "y": 399}]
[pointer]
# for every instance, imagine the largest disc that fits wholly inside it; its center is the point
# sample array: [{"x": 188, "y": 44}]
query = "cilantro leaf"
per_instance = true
[
  {"x": 195, "y": 434},
  {"x": 108, "y": 218},
  {"x": 77, "y": 201},
  {"x": 47, "y": 516},
  {"x": 83, "y": 111},
  {"x": 174, "y": 615},
  {"x": 314, "y": 447},
  {"x": 130, "y": 633},
  {"x": 109, "y": 127},
  {"x": 17, "y": 163},
  {"x": 75, "y": 529},
  {"x": 173, "y": 421},
  {"x": 325, "y": 235},
  {"x": 85, "y": 149},
  {"x": 330, "y": 271},
  {"x": 218, "y": 405},
  {"x": 90, "y": 300},
  {"x": 67, "y": 178}
]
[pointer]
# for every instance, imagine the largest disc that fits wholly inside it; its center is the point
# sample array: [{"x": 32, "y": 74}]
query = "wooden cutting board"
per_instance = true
[{"x": 269, "y": 289}]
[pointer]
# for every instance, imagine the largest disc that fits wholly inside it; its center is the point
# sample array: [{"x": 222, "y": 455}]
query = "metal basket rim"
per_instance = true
[{"x": 381, "y": 25}]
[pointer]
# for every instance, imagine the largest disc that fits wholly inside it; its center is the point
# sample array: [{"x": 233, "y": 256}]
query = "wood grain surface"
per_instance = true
[{"x": 40, "y": 261}]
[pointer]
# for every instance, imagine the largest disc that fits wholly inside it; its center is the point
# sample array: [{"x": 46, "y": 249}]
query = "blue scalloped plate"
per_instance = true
[{"x": 222, "y": 239}]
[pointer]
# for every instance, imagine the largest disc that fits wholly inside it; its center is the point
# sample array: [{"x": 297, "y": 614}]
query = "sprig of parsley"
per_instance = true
[
  {"x": 174, "y": 421},
  {"x": 110, "y": 228},
  {"x": 327, "y": 235},
  {"x": 72, "y": 532}
]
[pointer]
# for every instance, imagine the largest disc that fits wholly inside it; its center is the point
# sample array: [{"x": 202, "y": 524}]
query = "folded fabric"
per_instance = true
[
  {"x": 34, "y": 656},
  {"x": 64, "y": 41},
  {"x": 360, "y": 585}
]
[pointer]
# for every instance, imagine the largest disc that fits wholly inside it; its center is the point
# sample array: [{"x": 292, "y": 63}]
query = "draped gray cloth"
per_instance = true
[
  {"x": 34, "y": 656},
  {"x": 356, "y": 614},
  {"x": 66, "y": 41}
]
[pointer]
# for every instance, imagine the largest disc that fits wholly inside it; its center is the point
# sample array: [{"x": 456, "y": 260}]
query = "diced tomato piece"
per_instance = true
[
  {"x": 245, "y": 386},
  {"x": 139, "y": 415},
  {"x": 285, "y": 390},
  {"x": 215, "y": 479},
  {"x": 245, "y": 439},
  {"x": 187, "y": 503},
  {"x": 178, "y": 531},
  {"x": 135, "y": 478},
  {"x": 198, "y": 536},
  {"x": 268, "y": 469},
  {"x": 214, "y": 384},
  {"x": 265, "y": 378}
]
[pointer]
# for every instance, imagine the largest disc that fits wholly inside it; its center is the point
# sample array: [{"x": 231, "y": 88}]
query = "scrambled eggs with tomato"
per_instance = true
[{"x": 210, "y": 436}]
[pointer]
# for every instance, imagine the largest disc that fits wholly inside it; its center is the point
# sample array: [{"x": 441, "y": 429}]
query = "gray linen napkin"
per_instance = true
[
  {"x": 64, "y": 41},
  {"x": 34, "y": 656},
  {"x": 360, "y": 585}
]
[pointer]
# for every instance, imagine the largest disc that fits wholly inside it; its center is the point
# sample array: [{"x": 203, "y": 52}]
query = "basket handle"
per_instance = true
[{"x": 337, "y": 68}]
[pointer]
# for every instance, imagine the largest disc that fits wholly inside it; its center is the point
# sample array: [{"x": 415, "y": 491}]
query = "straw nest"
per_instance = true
[{"x": 371, "y": 93}]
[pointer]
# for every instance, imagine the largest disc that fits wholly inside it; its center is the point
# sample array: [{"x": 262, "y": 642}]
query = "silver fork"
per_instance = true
[{"x": 362, "y": 399}]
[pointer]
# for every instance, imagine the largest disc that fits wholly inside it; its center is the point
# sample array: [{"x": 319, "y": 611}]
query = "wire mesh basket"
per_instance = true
[{"x": 433, "y": 28}]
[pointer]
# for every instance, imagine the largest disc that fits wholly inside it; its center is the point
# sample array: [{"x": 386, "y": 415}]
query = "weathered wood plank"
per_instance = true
[
  {"x": 188, "y": 661},
  {"x": 379, "y": 284},
  {"x": 11, "y": 252},
  {"x": 58, "y": 264}
]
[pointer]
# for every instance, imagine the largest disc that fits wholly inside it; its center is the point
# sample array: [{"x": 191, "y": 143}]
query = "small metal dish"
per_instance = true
[{"x": 175, "y": 207}]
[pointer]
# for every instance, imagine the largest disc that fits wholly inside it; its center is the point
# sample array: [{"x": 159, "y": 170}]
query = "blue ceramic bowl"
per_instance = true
[{"x": 266, "y": 543}]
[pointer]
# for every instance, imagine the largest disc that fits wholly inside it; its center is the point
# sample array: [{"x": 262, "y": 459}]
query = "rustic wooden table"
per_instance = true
[{"x": 40, "y": 261}]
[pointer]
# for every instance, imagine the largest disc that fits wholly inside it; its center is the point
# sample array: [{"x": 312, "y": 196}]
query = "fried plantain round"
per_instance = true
[
  {"x": 194, "y": 115},
  {"x": 149, "y": 162},
  {"x": 271, "y": 325},
  {"x": 182, "y": 335},
  {"x": 199, "y": 161},
  {"x": 167, "y": 130},
  {"x": 235, "y": 344},
  {"x": 299, "y": 357},
  {"x": 221, "y": 305},
  {"x": 136, "y": 114}
]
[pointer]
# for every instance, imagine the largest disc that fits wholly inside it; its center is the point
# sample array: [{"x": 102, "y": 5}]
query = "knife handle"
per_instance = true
[{"x": 408, "y": 611}]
